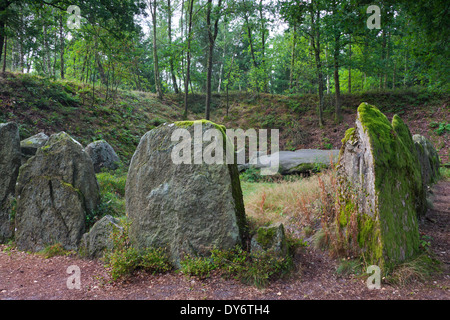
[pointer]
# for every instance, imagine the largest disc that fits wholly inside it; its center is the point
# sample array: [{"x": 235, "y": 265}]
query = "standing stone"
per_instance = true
[
  {"x": 99, "y": 239},
  {"x": 102, "y": 155},
  {"x": 429, "y": 159},
  {"x": 270, "y": 239},
  {"x": 29, "y": 146},
  {"x": 380, "y": 189},
  {"x": 187, "y": 208},
  {"x": 56, "y": 189},
  {"x": 9, "y": 169}
]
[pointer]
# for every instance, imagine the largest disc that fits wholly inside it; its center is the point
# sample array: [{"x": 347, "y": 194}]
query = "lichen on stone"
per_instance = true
[{"x": 379, "y": 185}]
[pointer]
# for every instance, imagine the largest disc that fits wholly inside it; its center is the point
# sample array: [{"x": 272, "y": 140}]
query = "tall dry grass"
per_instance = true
[{"x": 304, "y": 202}]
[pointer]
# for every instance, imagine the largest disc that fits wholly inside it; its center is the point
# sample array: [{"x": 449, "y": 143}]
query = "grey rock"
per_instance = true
[
  {"x": 428, "y": 158},
  {"x": 270, "y": 239},
  {"x": 186, "y": 208},
  {"x": 9, "y": 169},
  {"x": 55, "y": 190},
  {"x": 29, "y": 146},
  {"x": 95, "y": 242},
  {"x": 292, "y": 162},
  {"x": 102, "y": 155}
]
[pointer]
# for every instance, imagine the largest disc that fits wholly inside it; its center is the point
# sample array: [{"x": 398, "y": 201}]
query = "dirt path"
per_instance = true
[{"x": 30, "y": 276}]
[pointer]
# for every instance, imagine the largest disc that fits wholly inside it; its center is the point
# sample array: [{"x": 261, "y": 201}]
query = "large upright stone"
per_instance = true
[
  {"x": 380, "y": 189},
  {"x": 56, "y": 189},
  {"x": 429, "y": 159},
  {"x": 9, "y": 169},
  {"x": 102, "y": 155},
  {"x": 187, "y": 208}
]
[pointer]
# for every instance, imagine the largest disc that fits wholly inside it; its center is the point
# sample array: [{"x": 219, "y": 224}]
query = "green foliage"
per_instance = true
[
  {"x": 255, "y": 269},
  {"x": 443, "y": 128},
  {"x": 112, "y": 182},
  {"x": 199, "y": 267},
  {"x": 418, "y": 268},
  {"x": 349, "y": 266},
  {"x": 54, "y": 250},
  {"x": 112, "y": 196},
  {"x": 123, "y": 260}
]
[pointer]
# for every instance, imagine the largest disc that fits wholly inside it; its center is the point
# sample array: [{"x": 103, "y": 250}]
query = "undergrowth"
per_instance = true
[
  {"x": 256, "y": 269},
  {"x": 112, "y": 196},
  {"x": 123, "y": 260}
]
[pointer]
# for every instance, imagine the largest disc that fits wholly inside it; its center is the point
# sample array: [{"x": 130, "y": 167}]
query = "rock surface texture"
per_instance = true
[
  {"x": 429, "y": 159},
  {"x": 55, "y": 189},
  {"x": 294, "y": 162},
  {"x": 270, "y": 239},
  {"x": 98, "y": 239},
  {"x": 29, "y": 146},
  {"x": 380, "y": 189},
  {"x": 187, "y": 208},
  {"x": 9, "y": 169},
  {"x": 102, "y": 155}
]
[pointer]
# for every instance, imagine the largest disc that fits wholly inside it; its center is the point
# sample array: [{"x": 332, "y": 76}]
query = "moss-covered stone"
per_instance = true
[
  {"x": 271, "y": 238},
  {"x": 428, "y": 158},
  {"x": 380, "y": 189}
]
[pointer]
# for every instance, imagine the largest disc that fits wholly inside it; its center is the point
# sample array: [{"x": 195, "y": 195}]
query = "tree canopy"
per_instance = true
[{"x": 205, "y": 46}]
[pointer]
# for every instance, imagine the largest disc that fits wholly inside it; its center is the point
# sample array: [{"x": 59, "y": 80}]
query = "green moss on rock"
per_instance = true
[{"x": 385, "y": 192}]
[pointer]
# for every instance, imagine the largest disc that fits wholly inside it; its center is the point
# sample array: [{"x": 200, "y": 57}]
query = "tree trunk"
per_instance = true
[
  {"x": 387, "y": 60},
  {"x": 20, "y": 37},
  {"x": 188, "y": 60},
  {"x": 383, "y": 58},
  {"x": 46, "y": 65},
  {"x": 221, "y": 65},
  {"x": 169, "y": 28},
  {"x": 2, "y": 35},
  {"x": 4, "y": 55},
  {"x": 228, "y": 80},
  {"x": 249, "y": 34},
  {"x": 337, "y": 113},
  {"x": 350, "y": 66},
  {"x": 208, "y": 82},
  {"x": 61, "y": 43},
  {"x": 212, "y": 35},
  {"x": 155, "y": 51},
  {"x": 315, "y": 40},
  {"x": 291, "y": 74},
  {"x": 263, "y": 45}
]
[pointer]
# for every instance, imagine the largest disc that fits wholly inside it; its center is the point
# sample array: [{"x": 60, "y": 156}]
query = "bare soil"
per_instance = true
[{"x": 27, "y": 276}]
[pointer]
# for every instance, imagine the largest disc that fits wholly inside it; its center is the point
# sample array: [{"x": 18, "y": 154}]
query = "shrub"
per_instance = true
[
  {"x": 200, "y": 267},
  {"x": 251, "y": 268},
  {"x": 53, "y": 250},
  {"x": 155, "y": 260},
  {"x": 112, "y": 182},
  {"x": 123, "y": 259},
  {"x": 112, "y": 194},
  {"x": 347, "y": 267},
  {"x": 123, "y": 262}
]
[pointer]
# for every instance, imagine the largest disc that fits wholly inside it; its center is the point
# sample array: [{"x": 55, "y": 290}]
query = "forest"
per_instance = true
[
  {"x": 219, "y": 46},
  {"x": 357, "y": 92}
]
